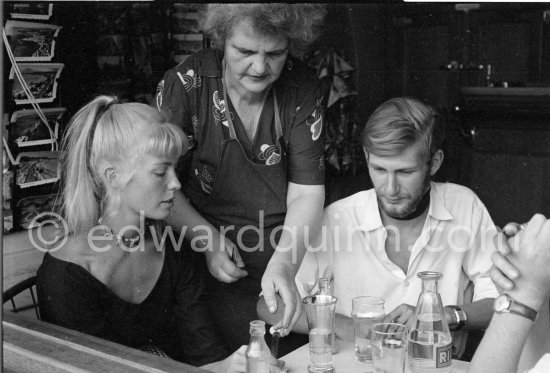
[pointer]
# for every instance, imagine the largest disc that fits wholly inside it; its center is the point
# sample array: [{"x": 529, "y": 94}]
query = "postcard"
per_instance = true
[
  {"x": 31, "y": 10},
  {"x": 31, "y": 41},
  {"x": 41, "y": 80},
  {"x": 27, "y": 129},
  {"x": 30, "y": 208},
  {"x": 37, "y": 168}
]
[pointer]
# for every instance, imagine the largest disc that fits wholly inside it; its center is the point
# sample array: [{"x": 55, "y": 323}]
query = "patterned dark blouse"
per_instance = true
[{"x": 191, "y": 95}]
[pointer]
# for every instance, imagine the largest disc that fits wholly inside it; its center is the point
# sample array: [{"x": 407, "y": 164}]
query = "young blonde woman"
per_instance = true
[{"x": 113, "y": 277}]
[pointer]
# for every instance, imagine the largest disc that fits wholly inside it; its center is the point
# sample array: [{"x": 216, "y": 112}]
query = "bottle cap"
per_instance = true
[
  {"x": 257, "y": 327},
  {"x": 429, "y": 275}
]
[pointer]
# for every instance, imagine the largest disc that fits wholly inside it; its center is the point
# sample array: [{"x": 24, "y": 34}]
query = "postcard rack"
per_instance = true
[
  {"x": 33, "y": 116},
  {"x": 67, "y": 53}
]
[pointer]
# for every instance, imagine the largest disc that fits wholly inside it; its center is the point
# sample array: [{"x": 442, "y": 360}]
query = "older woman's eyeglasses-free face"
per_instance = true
[{"x": 253, "y": 61}]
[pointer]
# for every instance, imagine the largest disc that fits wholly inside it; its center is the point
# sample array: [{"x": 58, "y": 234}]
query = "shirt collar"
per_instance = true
[
  {"x": 371, "y": 219},
  {"x": 437, "y": 210},
  {"x": 437, "y": 205}
]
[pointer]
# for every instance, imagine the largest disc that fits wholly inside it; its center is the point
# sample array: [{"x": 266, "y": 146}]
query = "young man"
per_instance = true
[{"x": 376, "y": 241}]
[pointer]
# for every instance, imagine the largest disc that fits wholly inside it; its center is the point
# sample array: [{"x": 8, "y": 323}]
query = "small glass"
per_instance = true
[
  {"x": 366, "y": 311},
  {"x": 389, "y": 347},
  {"x": 320, "y": 319}
]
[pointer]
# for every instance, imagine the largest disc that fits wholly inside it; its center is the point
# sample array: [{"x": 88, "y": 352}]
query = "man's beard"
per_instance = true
[{"x": 413, "y": 209}]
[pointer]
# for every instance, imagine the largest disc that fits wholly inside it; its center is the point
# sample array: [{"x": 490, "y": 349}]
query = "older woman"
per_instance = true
[{"x": 255, "y": 174}]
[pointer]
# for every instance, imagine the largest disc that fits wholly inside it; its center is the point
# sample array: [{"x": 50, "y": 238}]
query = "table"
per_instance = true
[
  {"x": 344, "y": 361},
  {"x": 31, "y": 345}
]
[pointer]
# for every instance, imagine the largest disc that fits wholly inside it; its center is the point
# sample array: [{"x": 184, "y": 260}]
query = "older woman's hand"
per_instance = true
[
  {"x": 279, "y": 278},
  {"x": 224, "y": 262}
]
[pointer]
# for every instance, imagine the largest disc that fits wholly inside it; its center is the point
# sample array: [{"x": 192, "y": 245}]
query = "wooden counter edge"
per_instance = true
[{"x": 29, "y": 343}]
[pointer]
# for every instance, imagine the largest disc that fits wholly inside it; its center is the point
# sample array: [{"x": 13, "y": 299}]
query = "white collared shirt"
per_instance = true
[{"x": 456, "y": 240}]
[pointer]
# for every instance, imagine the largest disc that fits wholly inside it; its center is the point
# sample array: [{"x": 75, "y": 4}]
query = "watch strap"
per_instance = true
[
  {"x": 461, "y": 318},
  {"x": 521, "y": 309}
]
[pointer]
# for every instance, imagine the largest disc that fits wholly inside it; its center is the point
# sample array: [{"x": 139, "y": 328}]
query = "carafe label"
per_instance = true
[{"x": 443, "y": 356}]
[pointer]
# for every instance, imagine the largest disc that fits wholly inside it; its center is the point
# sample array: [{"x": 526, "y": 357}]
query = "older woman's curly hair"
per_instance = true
[{"x": 299, "y": 23}]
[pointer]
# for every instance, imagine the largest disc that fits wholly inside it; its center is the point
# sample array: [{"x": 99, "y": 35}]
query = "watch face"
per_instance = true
[{"x": 502, "y": 302}]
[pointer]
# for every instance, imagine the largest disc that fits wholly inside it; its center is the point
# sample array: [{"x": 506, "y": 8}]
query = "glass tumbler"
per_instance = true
[
  {"x": 320, "y": 319},
  {"x": 366, "y": 311},
  {"x": 389, "y": 347}
]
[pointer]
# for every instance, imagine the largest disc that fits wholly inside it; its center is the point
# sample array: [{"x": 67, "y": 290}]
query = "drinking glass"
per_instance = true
[
  {"x": 366, "y": 311},
  {"x": 320, "y": 320},
  {"x": 389, "y": 347}
]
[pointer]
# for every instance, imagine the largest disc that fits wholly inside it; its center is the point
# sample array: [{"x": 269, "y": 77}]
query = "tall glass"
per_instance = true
[
  {"x": 366, "y": 311},
  {"x": 326, "y": 288},
  {"x": 389, "y": 347},
  {"x": 320, "y": 319}
]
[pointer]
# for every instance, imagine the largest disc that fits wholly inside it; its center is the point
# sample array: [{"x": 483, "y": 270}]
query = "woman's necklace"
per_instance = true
[{"x": 120, "y": 241}]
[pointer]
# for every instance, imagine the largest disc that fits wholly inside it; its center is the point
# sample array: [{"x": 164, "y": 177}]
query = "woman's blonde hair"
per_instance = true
[
  {"x": 299, "y": 23},
  {"x": 106, "y": 131}
]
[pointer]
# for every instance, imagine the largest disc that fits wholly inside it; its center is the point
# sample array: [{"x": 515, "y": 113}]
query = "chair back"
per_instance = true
[{"x": 22, "y": 296}]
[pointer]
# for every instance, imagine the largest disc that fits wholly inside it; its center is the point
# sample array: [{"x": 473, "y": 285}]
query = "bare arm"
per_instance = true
[
  {"x": 501, "y": 346},
  {"x": 503, "y": 342},
  {"x": 479, "y": 314},
  {"x": 302, "y": 222},
  {"x": 204, "y": 237}
]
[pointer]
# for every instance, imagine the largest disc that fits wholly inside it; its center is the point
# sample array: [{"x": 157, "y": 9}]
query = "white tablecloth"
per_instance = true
[{"x": 344, "y": 361}]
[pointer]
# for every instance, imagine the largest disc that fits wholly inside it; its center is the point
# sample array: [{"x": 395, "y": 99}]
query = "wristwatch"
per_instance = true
[
  {"x": 461, "y": 318},
  {"x": 504, "y": 303}
]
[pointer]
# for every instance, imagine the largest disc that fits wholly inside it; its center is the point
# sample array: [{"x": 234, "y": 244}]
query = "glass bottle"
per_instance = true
[
  {"x": 430, "y": 340},
  {"x": 257, "y": 353},
  {"x": 325, "y": 288}
]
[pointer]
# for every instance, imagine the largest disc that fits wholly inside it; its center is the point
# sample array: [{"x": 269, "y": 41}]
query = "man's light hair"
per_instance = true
[{"x": 400, "y": 122}]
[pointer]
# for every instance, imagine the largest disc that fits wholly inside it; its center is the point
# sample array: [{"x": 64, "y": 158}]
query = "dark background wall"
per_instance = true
[{"x": 429, "y": 51}]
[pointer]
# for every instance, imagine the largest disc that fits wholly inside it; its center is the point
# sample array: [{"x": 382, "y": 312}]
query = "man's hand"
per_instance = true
[
  {"x": 224, "y": 262},
  {"x": 531, "y": 257},
  {"x": 402, "y": 314},
  {"x": 345, "y": 329},
  {"x": 279, "y": 278},
  {"x": 503, "y": 273}
]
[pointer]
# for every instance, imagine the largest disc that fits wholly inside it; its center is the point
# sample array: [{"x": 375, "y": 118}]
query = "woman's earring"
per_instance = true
[{"x": 289, "y": 64}]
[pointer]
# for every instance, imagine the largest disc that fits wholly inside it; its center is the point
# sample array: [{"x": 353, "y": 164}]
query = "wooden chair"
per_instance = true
[{"x": 17, "y": 303}]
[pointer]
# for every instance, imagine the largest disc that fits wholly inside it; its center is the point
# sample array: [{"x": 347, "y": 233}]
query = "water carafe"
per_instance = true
[{"x": 430, "y": 341}]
